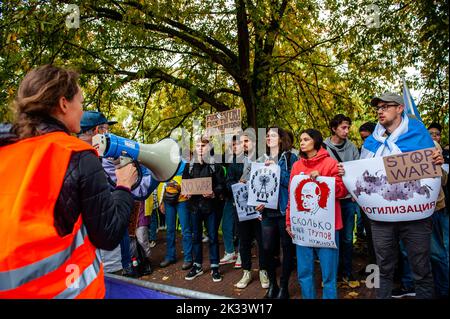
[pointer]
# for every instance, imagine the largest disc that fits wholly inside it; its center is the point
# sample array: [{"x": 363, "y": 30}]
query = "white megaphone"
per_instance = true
[{"x": 163, "y": 158}]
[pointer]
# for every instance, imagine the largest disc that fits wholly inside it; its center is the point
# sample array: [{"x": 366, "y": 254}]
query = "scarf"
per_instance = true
[{"x": 411, "y": 135}]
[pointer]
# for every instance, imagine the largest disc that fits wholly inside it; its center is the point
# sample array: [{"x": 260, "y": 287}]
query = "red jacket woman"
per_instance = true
[
  {"x": 326, "y": 166},
  {"x": 315, "y": 161}
]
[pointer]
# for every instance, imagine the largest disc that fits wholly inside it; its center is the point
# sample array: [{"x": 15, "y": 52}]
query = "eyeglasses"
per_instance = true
[
  {"x": 102, "y": 129},
  {"x": 384, "y": 107}
]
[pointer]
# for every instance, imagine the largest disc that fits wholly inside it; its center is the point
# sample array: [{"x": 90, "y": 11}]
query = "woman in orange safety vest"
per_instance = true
[{"x": 56, "y": 208}]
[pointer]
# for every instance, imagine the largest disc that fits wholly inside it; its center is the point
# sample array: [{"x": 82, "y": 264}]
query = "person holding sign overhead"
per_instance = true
[
  {"x": 204, "y": 208},
  {"x": 316, "y": 161},
  {"x": 400, "y": 132},
  {"x": 278, "y": 147}
]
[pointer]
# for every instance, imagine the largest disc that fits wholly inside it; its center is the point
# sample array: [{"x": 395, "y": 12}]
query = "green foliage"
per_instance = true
[{"x": 157, "y": 65}]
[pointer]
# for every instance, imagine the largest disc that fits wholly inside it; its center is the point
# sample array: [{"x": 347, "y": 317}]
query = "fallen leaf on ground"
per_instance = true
[
  {"x": 353, "y": 294},
  {"x": 165, "y": 277},
  {"x": 354, "y": 284}
]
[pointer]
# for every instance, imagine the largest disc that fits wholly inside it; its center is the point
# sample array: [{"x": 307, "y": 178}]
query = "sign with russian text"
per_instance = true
[
  {"x": 367, "y": 182},
  {"x": 240, "y": 195},
  {"x": 196, "y": 186},
  {"x": 264, "y": 185},
  {"x": 411, "y": 166},
  {"x": 218, "y": 122},
  {"x": 312, "y": 211}
]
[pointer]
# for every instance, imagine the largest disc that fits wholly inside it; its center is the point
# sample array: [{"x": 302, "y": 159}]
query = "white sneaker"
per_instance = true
[
  {"x": 264, "y": 279},
  {"x": 245, "y": 280},
  {"x": 238, "y": 263},
  {"x": 228, "y": 259}
]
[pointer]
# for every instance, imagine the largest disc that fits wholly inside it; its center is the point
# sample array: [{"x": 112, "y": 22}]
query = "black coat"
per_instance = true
[{"x": 86, "y": 191}]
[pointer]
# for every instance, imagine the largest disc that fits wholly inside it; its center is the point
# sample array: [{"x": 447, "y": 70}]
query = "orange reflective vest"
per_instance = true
[{"x": 35, "y": 262}]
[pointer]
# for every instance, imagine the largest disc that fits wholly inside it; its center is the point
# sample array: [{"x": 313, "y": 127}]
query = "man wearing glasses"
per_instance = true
[
  {"x": 93, "y": 123},
  {"x": 397, "y": 133}
]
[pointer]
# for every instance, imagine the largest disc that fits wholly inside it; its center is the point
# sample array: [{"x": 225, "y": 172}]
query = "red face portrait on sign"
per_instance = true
[{"x": 311, "y": 195}]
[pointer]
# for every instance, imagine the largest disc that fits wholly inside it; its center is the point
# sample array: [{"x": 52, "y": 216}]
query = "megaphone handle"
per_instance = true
[
  {"x": 125, "y": 161},
  {"x": 122, "y": 161},
  {"x": 139, "y": 171}
]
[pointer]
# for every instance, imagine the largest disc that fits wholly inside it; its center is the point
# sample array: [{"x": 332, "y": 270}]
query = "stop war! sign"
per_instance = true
[{"x": 410, "y": 166}]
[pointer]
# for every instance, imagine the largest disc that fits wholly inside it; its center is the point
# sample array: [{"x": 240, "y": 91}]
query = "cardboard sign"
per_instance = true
[
  {"x": 410, "y": 166},
  {"x": 312, "y": 211},
  {"x": 366, "y": 180},
  {"x": 223, "y": 120},
  {"x": 196, "y": 186}
]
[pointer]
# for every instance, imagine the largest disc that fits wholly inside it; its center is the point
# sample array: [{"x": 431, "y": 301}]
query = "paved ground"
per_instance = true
[{"x": 174, "y": 276}]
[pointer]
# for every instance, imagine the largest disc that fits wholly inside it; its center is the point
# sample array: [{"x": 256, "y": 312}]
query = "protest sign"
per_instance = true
[
  {"x": 312, "y": 211},
  {"x": 410, "y": 166},
  {"x": 264, "y": 185},
  {"x": 367, "y": 182},
  {"x": 196, "y": 186},
  {"x": 240, "y": 195},
  {"x": 218, "y": 122}
]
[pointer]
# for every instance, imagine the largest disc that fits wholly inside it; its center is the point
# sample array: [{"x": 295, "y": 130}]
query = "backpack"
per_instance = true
[{"x": 172, "y": 197}]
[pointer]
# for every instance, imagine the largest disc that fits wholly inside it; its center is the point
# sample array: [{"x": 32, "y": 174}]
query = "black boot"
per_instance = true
[
  {"x": 284, "y": 293},
  {"x": 273, "y": 290},
  {"x": 146, "y": 269}
]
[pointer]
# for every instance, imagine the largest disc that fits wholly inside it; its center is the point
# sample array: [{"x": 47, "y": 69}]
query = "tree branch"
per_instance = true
[
  {"x": 159, "y": 74},
  {"x": 217, "y": 44},
  {"x": 218, "y": 57}
]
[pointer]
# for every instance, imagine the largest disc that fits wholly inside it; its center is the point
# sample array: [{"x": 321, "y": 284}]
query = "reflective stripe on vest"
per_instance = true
[
  {"x": 85, "y": 279},
  {"x": 17, "y": 277}
]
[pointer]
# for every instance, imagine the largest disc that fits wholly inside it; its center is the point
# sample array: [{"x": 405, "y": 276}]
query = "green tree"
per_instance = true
[{"x": 291, "y": 63}]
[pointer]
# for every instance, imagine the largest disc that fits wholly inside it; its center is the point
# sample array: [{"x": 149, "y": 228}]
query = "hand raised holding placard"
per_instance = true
[
  {"x": 260, "y": 208},
  {"x": 341, "y": 170},
  {"x": 437, "y": 158},
  {"x": 314, "y": 174}
]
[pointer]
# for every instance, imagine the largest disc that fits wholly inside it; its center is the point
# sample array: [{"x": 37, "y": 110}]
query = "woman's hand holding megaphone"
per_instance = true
[{"x": 126, "y": 175}]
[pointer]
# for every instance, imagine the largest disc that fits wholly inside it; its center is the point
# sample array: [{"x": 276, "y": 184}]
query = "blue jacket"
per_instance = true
[{"x": 285, "y": 175}]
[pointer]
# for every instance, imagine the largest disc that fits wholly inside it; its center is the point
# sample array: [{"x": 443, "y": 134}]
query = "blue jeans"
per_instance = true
[
  {"x": 329, "y": 260},
  {"x": 228, "y": 226},
  {"x": 125, "y": 250},
  {"x": 348, "y": 209},
  {"x": 439, "y": 252},
  {"x": 171, "y": 216},
  {"x": 153, "y": 225},
  {"x": 210, "y": 219}
]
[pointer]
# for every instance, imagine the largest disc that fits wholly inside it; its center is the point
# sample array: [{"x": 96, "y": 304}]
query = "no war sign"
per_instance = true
[
  {"x": 196, "y": 186},
  {"x": 410, "y": 166}
]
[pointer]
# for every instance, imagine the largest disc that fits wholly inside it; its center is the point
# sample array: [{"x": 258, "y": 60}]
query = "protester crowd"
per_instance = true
[
  {"x": 121, "y": 219},
  {"x": 202, "y": 217}
]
